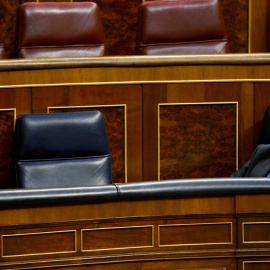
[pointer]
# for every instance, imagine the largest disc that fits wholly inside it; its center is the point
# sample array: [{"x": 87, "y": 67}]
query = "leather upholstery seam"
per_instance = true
[
  {"x": 182, "y": 42},
  {"x": 63, "y": 46},
  {"x": 117, "y": 191},
  {"x": 57, "y": 159}
]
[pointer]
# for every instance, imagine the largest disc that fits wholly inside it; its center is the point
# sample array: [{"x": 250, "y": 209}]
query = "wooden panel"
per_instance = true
[
  {"x": 259, "y": 26},
  {"x": 262, "y": 102},
  {"x": 197, "y": 140},
  {"x": 13, "y": 103},
  {"x": 195, "y": 234},
  {"x": 38, "y": 243},
  {"x": 196, "y": 93},
  {"x": 166, "y": 207},
  {"x": 115, "y": 120},
  {"x": 8, "y": 11},
  {"x": 7, "y": 119},
  {"x": 256, "y": 265},
  {"x": 235, "y": 14},
  {"x": 117, "y": 238},
  {"x": 252, "y": 203},
  {"x": 101, "y": 96},
  {"x": 256, "y": 232}
]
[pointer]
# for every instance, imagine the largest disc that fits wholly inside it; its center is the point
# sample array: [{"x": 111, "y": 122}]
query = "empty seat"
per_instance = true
[
  {"x": 52, "y": 29},
  {"x": 181, "y": 27},
  {"x": 61, "y": 150}
]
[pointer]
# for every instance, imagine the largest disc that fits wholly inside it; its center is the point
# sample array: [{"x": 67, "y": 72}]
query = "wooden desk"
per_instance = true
[
  {"x": 229, "y": 232},
  {"x": 167, "y": 117}
]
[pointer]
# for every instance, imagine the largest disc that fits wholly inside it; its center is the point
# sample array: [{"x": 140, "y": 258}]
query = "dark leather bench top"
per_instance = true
[
  {"x": 193, "y": 188},
  {"x": 137, "y": 190},
  {"x": 57, "y": 195}
]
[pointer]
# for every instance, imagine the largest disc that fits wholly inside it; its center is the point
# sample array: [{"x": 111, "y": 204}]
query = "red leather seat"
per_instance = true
[
  {"x": 181, "y": 27},
  {"x": 52, "y": 29}
]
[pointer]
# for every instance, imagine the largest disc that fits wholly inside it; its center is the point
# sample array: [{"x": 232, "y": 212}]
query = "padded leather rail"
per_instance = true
[
  {"x": 139, "y": 190},
  {"x": 18, "y": 197},
  {"x": 193, "y": 188}
]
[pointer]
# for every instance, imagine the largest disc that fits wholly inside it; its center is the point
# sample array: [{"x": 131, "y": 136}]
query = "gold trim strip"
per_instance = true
[
  {"x": 103, "y": 106},
  {"x": 195, "y": 224},
  {"x": 35, "y": 254},
  {"x": 135, "y": 82},
  {"x": 249, "y": 26},
  {"x": 243, "y": 233},
  {"x": 199, "y": 103},
  {"x": 15, "y": 114},
  {"x": 246, "y": 262},
  {"x": 116, "y": 228}
]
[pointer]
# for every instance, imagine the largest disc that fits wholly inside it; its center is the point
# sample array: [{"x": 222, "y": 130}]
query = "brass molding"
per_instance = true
[
  {"x": 199, "y": 103},
  {"x": 247, "y": 262},
  {"x": 35, "y": 254},
  {"x": 252, "y": 242},
  {"x": 249, "y": 26},
  {"x": 102, "y": 106},
  {"x": 15, "y": 116},
  {"x": 117, "y": 228},
  {"x": 135, "y": 82},
  {"x": 195, "y": 224}
]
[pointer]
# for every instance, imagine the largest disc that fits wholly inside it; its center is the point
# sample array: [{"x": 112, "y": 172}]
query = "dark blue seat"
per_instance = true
[{"x": 61, "y": 150}]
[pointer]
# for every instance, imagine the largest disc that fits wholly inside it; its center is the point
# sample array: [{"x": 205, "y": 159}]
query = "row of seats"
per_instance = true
[{"x": 52, "y": 29}]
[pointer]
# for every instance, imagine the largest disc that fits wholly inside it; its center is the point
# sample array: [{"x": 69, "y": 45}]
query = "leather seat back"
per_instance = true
[
  {"x": 52, "y": 29},
  {"x": 61, "y": 150},
  {"x": 181, "y": 27}
]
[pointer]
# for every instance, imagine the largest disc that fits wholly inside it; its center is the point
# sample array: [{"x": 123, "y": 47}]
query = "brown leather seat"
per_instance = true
[
  {"x": 52, "y": 29},
  {"x": 181, "y": 27}
]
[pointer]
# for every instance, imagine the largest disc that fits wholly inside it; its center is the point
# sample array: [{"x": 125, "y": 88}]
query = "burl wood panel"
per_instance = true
[
  {"x": 115, "y": 127},
  {"x": 236, "y": 19},
  {"x": 8, "y": 10},
  {"x": 38, "y": 243},
  {"x": 197, "y": 141},
  {"x": 117, "y": 238},
  {"x": 120, "y": 19},
  {"x": 195, "y": 234},
  {"x": 6, "y": 139}
]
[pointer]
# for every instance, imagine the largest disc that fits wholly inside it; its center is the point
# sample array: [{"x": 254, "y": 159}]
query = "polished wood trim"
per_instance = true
[{"x": 134, "y": 61}]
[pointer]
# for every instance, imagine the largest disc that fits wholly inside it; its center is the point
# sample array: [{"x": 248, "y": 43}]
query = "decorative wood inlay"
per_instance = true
[
  {"x": 197, "y": 140},
  {"x": 256, "y": 265},
  {"x": 115, "y": 120},
  {"x": 38, "y": 243},
  {"x": 7, "y": 119},
  {"x": 117, "y": 238},
  {"x": 195, "y": 234},
  {"x": 256, "y": 232}
]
